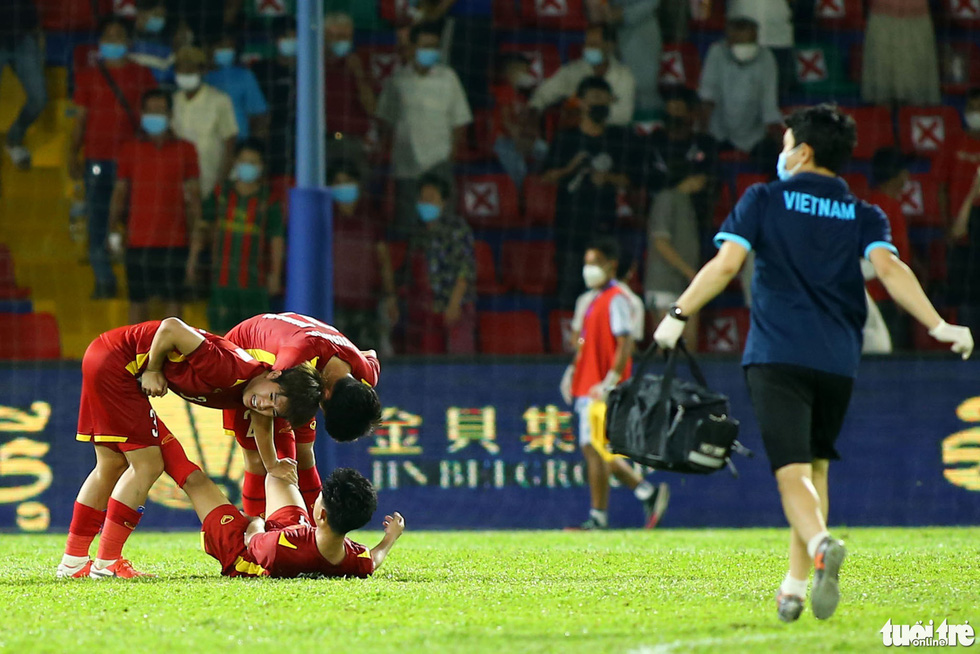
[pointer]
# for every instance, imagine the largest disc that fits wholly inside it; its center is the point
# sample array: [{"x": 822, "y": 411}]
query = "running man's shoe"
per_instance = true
[
  {"x": 74, "y": 572},
  {"x": 789, "y": 607},
  {"x": 826, "y": 588},
  {"x": 589, "y": 525},
  {"x": 122, "y": 569},
  {"x": 656, "y": 505}
]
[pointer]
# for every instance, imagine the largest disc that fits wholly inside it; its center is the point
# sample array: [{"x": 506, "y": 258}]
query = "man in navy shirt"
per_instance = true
[{"x": 808, "y": 308}]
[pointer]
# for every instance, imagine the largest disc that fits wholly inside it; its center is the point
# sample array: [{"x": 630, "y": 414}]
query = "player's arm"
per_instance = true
[
  {"x": 117, "y": 204},
  {"x": 394, "y": 527},
  {"x": 904, "y": 288},
  {"x": 624, "y": 349},
  {"x": 263, "y": 430},
  {"x": 172, "y": 334}
]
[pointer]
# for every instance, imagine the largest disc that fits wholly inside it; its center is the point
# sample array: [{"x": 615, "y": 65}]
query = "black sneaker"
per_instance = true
[
  {"x": 589, "y": 525},
  {"x": 826, "y": 588},
  {"x": 656, "y": 505},
  {"x": 789, "y": 607}
]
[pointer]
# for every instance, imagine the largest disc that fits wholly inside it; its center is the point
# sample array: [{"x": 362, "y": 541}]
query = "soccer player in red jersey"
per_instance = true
[
  {"x": 119, "y": 370},
  {"x": 292, "y": 542},
  {"x": 350, "y": 404}
]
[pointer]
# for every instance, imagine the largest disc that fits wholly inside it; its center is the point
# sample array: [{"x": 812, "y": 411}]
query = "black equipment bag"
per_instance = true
[{"x": 671, "y": 424}]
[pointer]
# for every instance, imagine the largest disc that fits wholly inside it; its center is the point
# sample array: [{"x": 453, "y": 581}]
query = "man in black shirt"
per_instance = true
[
  {"x": 21, "y": 48},
  {"x": 591, "y": 164}
]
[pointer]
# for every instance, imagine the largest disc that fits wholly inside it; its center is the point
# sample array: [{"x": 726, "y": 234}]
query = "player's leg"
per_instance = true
[
  {"x": 89, "y": 511},
  {"x": 253, "y": 484},
  {"x": 279, "y": 494},
  {"x": 123, "y": 513},
  {"x": 310, "y": 484},
  {"x": 597, "y": 472}
]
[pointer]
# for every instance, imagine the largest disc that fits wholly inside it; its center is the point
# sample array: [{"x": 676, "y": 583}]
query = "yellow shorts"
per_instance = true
[{"x": 597, "y": 427}]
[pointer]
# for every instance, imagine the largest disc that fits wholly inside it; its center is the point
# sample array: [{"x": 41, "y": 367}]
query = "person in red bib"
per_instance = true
[
  {"x": 120, "y": 369},
  {"x": 350, "y": 404}
]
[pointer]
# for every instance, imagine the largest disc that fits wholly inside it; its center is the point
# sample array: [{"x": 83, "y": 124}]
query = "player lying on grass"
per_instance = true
[
  {"x": 291, "y": 542},
  {"x": 119, "y": 370},
  {"x": 350, "y": 404}
]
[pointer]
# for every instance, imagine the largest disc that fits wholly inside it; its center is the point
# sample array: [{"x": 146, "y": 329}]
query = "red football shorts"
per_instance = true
[
  {"x": 237, "y": 424},
  {"x": 113, "y": 410},
  {"x": 288, "y": 516},
  {"x": 223, "y": 538}
]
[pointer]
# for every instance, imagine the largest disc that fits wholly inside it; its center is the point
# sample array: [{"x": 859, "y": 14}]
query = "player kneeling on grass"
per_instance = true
[
  {"x": 291, "y": 542},
  {"x": 120, "y": 369}
]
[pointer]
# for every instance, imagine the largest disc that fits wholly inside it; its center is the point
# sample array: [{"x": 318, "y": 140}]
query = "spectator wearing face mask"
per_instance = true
[
  {"x": 277, "y": 78},
  {"x": 350, "y": 100},
  {"x": 597, "y": 61},
  {"x": 251, "y": 109},
  {"x": 592, "y": 164},
  {"x": 247, "y": 240},
  {"x": 152, "y": 42},
  {"x": 514, "y": 132},
  {"x": 425, "y": 109},
  {"x": 441, "y": 295},
  {"x": 107, "y": 100},
  {"x": 775, "y": 21},
  {"x": 739, "y": 94},
  {"x": 204, "y": 116}
]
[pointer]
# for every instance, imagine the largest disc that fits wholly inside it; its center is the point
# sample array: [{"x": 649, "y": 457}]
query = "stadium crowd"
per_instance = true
[{"x": 476, "y": 149}]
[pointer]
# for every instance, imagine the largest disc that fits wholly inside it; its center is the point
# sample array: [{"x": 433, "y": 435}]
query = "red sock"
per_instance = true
[
  {"x": 310, "y": 487},
  {"x": 85, "y": 524},
  {"x": 120, "y": 521},
  {"x": 253, "y": 494}
]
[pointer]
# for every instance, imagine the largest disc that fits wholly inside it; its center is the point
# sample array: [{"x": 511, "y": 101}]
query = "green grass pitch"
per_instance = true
[{"x": 617, "y": 591}]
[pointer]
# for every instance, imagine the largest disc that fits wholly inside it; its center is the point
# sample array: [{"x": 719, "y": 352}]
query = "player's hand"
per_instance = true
[
  {"x": 154, "y": 384},
  {"x": 394, "y": 524},
  {"x": 599, "y": 392},
  {"x": 959, "y": 336},
  {"x": 669, "y": 332},
  {"x": 453, "y": 313},
  {"x": 285, "y": 469},
  {"x": 565, "y": 387}
]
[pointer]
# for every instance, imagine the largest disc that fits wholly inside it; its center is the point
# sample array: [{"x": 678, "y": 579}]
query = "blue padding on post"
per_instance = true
[{"x": 309, "y": 266}]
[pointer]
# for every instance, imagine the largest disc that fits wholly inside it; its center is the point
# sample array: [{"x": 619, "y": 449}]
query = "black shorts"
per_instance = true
[
  {"x": 800, "y": 411},
  {"x": 156, "y": 273}
]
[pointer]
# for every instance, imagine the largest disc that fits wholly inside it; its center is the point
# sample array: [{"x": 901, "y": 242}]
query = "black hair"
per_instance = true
[
  {"x": 831, "y": 134},
  {"x": 116, "y": 20},
  {"x": 593, "y": 82},
  {"x": 231, "y": 34},
  {"x": 283, "y": 24},
  {"x": 625, "y": 262},
  {"x": 973, "y": 94},
  {"x": 438, "y": 182},
  {"x": 743, "y": 23},
  {"x": 607, "y": 247},
  {"x": 347, "y": 167},
  {"x": 352, "y": 410},
  {"x": 886, "y": 164},
  {"x": 303, "y": 386},
  {"x": 682, "y": 94},
  {"x": 145, "y": 5},
  {"x": 608, "y": 33},
  {"x": 157, "y": 93},
  {"x": 433, "y": 28},
  {"x": 253, "y": 144},
  {"x": 350, "y": 500}
]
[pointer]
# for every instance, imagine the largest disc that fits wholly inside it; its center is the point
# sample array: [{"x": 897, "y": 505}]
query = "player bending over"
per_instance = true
[
  {"x": 119, "y": 370},
  {"x": 808, "y": 310},
  {"x": 350, "y": 404}
]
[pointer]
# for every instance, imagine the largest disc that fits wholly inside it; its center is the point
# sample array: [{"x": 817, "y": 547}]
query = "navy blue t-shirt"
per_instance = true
[{"x": 808, "y": 303}]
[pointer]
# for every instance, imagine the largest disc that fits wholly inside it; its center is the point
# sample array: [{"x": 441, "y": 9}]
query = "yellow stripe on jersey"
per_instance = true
[
  {"x": 134, "y": 366},
  {"x": 230, "y": 432},
  {"x": 175, "y": 356},
  {"x": 249, "y": 568},
  {"x": 366, "y": 554},
  {"x": 284, "y": 542},
  {"x": 262, "y": 355}
]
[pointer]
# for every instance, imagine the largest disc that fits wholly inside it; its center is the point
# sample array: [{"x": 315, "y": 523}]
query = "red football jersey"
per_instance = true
[
  {"x": 284, "y": 340},
  {"x": 291, "y": 551}
]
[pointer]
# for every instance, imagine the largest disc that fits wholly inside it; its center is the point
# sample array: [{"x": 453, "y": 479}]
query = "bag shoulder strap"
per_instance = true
[{"x": 116, "y": 91}]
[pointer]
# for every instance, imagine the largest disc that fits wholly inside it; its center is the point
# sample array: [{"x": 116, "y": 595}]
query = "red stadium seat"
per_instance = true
[
  {"x": 559, "y": 330},
  {"x": 397, "y": 250},
  {"x": 486, "y": 270},
  {"x": 529, "y": 266},
  {"x": 510, "y": 332},
  {"x": 29, "y": 337},
  {"x": 71, "y": 15},
  {"x": 544, "y": 57},
  {"x": 380, "y": 61},
  {"x": 964, "y": 13},
  {"x": 724, "y": 204},
  {"x": 680, "y": 65},
  {"x": 938, "y": 270},
  {"x": 539, "y": 201},
  {"x": 926, "y": 130},
  {"x": 713, "y": 22},
  {"x": 9, "y": 290},
  {"x": 395, "y": 11},
  {"x": 920, "y": 202},
  {"x": 960, "y": 67},
  {"x": 836, "y": 15},
  {"x": 858, "y": 183},
  {"x": 356, "y": 276},
  {"x": 568, "y": 15},
  {"x": 745, "y": 180},
  {"x": 874, "y": 127},
  {"x": 506, "y": 15},
  {"x": 84, "y": 55},
  {"x": 724, "y": 330},
  {"x": 489, "y": 201}
]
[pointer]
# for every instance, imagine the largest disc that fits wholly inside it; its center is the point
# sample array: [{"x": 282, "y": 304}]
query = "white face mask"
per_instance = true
[
  {"x": 187, "y": 81},
  {"x": 525, "y": 81},
  {"x": 744, "y": 52},
  {"x": 972, "y": 120},
  {"x": 593, "y": 275}
]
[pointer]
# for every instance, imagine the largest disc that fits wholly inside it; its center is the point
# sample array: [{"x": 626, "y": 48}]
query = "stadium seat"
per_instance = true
[
  {"x": 486, "y": 270},
  {"x": 529, "y": 266},
  {"x": 724, "y": 330},
  {"x": 9, "y": 290},
  {"x": 874, "y": 127},
  {"x": 565, "y": 15},
  {"x": 920, "y": 202},
  {"x": 356, "y": 276},
  {"x": 71, "y": 15},
  {"x": 380, "y": 61},
  {"x": 395, "y": 12},
  {"x": 489, "y": 201},
  {"x": 963, "y": 13},
  {"x": 29, "y": 337},
  {"x": 959, "y": 67},
  {"x": 938, "y": 269},
  {"x": 820, "y": 70},
  {"x": 544, "y": 57},
  {"x": 745, "y": 180},
  {"x": 84, "y": 55},
  {"x": 680, "y": 65},
  {"x": 837, "y": 15},
  {"x": 724, "y": 204},
  {"x": 559, "y": 329},
  {"x": 539, "y": 201},
  {"x": 926, "y": 130},
  {"x": 506, "y": 15},
  {"x": 713, "y": 22},
  {"x": 858, "y": 183},
  {"x": 510, "y": 332}
]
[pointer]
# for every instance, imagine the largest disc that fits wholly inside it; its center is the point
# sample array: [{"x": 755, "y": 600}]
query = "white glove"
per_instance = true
[
  {"x": 566, "y": 384},
  {"x": 959, "y": 336},
  {"x": 669, "y": 332}
]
